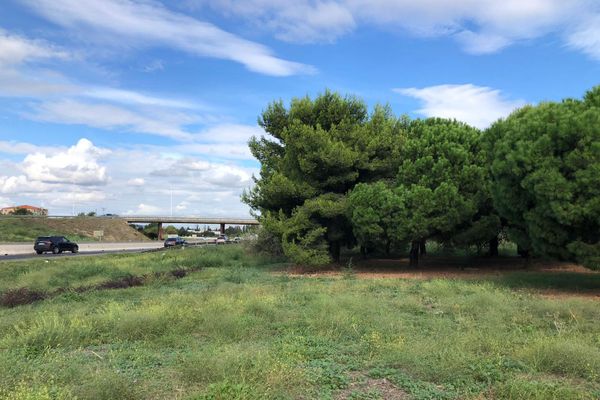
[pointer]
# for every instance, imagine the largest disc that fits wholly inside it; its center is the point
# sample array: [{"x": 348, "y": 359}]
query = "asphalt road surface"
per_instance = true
[
  {"x": 48, "y": 256},
  {"x": 17, "y": 251}
]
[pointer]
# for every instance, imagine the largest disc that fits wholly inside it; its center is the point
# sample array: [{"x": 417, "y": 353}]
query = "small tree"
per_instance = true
[
  {"x": 441, "y": 181},
  {"x": 317, "y": 151}
]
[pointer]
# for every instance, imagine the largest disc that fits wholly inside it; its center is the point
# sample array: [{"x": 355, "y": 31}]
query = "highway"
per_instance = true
[
  {"x": 24, "y": 251},
  {"x": 21, "y": 251},
  {"x": 49, "y": 256}
]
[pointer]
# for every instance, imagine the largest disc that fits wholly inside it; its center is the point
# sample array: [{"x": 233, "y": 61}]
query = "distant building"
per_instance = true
[{"x": 32, "y": 209}]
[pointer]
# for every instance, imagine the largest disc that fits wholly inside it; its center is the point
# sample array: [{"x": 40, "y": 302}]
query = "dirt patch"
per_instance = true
[
  {"x": 550, "y": 279},
  {"x": 179, "y": 273},
  {"x": 440, "y": 267},
  {"x": 363, "y": 387},
  {"x": 21, "y": 296},
  {"x": 18, "y": 297},
  {"x": 123, "y": 283},
  {"x": 555, "y": 294}
]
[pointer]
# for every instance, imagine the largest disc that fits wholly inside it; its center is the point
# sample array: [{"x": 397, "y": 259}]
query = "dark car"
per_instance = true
[
  {"x": 176, "y": 241},
  {"x": 55, "y": 244}
]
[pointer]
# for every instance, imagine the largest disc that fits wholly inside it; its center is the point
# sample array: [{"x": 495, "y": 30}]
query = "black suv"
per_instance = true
[
  {"x": 176, "y": 241},
  {"x": 55, "y": 244}
]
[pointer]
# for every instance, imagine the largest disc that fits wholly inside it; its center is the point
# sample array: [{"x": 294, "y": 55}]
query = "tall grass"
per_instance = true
[{"x": 234, "y": 330}]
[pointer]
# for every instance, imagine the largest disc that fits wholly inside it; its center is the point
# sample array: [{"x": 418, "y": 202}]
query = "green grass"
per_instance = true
[
  {"x": 49, "y": 273},
  {"x": 236, "y": 330}
]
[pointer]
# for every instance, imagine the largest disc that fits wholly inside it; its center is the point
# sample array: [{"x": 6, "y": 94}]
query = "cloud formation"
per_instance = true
[
  {"x": 143, "y": 23},
  {"x": 78, "y": 165},
  {"x": 85, "y": 177},
  {"x": 15, "y": 49},
  {"x": 109, "y": 116},
  {"x": 478, "y": 106},
  {"x": 479, "y": 26}
]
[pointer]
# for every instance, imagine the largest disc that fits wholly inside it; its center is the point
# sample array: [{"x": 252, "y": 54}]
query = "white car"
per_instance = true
[{"x": 221, "y": 239}]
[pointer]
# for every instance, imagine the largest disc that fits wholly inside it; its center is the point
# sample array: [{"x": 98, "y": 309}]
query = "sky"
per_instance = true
[{"x": 145, "y": 107}]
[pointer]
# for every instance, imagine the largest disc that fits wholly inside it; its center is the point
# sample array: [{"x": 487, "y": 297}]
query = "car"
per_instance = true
[
  {"x": 222, "y": 239},
  {"x": 175, "y": 241},
  {"x": 54, "y": 244},
  {"x": 237, "y": 239}
]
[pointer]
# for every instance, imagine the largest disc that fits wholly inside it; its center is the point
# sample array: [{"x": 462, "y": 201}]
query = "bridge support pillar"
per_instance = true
[
  {"x": 160, "y": 231},
  {"x": 222, "y": 229}
]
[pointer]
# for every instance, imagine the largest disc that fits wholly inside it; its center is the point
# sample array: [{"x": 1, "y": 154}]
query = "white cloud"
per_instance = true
[
  {"x": 204, "y": 172},
  {"x": 144, "y": 23},
  {"x": 16, "y": 80},
  {"x": 108, "y": 116},
  {"x": 136, "y": 182},
  {"x": 146, "y": 209},
  {"x": 197, "y": 165},
  {"x": 131, "y": 97},
  {"x": 480, "y": 26},
  {"x": 21, "y": 184},
  {"x": 5, "y": 202},
  {"x": 232, "y": 151},
  {"x": 228, "y": 176},
  {"x": 70, "y": 198},
  {"x": 229, "y": 133},
  {"x": 297, "y": 21},
  {"x": 47, "y": 169},
  {"x": 586, "y": 37},
  {"x": 15, "y": 49},
  {"x": 78, "y": 165},
  {"x": 182, "y": 206},
  {"x": 14, "y": 147},
  {"x": 476, "y": 105},
  {"x": 156, "y": 65}
]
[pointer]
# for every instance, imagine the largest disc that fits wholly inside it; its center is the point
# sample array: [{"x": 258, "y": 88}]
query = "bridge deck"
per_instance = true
[{"x": 190, "y": 220}]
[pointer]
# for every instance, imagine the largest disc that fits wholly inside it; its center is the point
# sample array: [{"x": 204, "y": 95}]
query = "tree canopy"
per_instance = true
[
  {"x": 315, "y": 152},
  {"x": 334, "y": 174},
  {"x": 545, "y": 171}
]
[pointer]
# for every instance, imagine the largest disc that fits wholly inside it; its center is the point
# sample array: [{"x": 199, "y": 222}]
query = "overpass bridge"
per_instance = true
[{"x": 160, "y": 220}]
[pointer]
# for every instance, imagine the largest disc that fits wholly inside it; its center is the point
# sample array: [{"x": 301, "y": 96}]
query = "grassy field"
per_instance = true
[
  {"x": 236, "y": 326},
  {"x": 79, "y": 229}
]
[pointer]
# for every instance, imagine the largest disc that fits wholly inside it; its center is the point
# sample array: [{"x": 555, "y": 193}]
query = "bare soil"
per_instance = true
[
  {"x": 376, "y": 388},
  {"x": 436, "y": 267}
]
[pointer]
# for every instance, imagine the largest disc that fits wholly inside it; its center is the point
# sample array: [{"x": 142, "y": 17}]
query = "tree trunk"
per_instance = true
[
  {"x": 387, "y": 247},
  {"x": 414, "y": 253},
  {"x": 334, "y": 251},
  {"x": 423, "y": 247},
  {"x": 493, "y": 247},
  {"x": 522, "y": 252},
  {"x": 363, "y": 252}
]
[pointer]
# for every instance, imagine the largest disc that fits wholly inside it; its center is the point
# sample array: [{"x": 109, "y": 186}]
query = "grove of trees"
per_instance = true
[{"x": 335, "y": 175}]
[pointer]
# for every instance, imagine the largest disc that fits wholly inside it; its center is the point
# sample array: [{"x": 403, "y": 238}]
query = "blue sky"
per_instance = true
[{"x": 120, "y": 105}]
